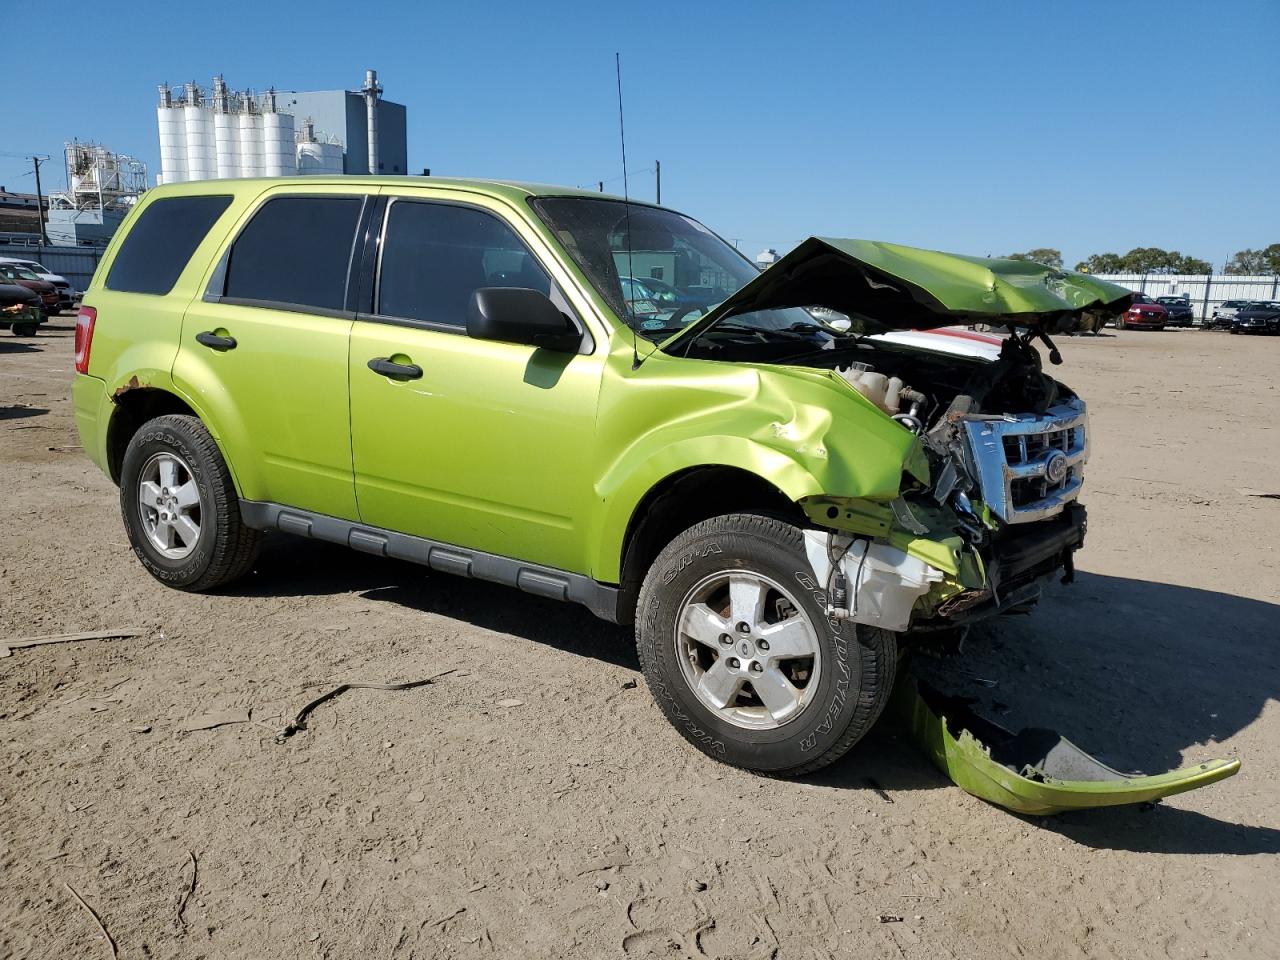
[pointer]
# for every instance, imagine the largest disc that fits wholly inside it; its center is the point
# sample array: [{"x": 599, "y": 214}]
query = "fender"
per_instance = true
[
  {"x": 805, "y": 432},
  {"x": 621, "y": 493}
]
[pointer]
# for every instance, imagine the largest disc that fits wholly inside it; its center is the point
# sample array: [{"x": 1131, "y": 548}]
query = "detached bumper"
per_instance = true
[{"x": 1036, "y": 771}]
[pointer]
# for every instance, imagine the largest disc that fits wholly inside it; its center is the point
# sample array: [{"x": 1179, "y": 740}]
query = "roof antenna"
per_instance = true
[{"x": 626, "y": 198}]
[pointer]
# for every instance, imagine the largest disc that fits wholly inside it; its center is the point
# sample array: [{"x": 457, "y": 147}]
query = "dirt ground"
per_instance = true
[{"x": 534, "y": 803}]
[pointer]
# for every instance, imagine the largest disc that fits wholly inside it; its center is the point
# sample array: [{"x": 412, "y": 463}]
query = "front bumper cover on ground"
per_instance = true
[{"x": 1035, "y": 771}]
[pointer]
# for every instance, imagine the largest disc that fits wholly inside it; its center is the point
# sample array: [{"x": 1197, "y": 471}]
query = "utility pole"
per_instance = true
[
  {"x": 36, "y": 160},
  {"x": 601, "y": 185},
  {"x": 657, "y": 166}
]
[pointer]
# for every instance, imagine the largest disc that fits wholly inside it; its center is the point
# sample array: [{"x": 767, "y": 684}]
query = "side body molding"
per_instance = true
[{"x": 601, "y": 599}]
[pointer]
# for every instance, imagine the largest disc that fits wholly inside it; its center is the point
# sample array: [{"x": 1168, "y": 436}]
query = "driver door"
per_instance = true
[{"x": 481, "y": 444}]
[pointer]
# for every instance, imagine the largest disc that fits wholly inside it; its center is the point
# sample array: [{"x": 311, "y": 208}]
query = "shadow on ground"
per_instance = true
[
  {"x": 19, "y": 412},
  {"x": 1136, "y": 673},
  {"x": 18, "y": 346},
  {"x": 1161, "y": 829}
]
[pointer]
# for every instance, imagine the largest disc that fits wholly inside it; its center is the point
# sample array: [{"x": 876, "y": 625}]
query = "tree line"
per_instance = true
[{"x": 1154, "y": 260}]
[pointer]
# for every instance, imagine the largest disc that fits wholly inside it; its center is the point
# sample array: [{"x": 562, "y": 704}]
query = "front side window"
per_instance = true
[
  {"x": 296, "y": 251},
  {"x": 434, "y": 255},
  {"x": 158, "y": 245}
]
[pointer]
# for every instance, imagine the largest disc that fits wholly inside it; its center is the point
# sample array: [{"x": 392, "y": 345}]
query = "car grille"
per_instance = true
[{"x": 1030, "y": 466}]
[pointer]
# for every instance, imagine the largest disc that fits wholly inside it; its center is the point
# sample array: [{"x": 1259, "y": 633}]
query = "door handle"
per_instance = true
[
  {"x": 397, "y": 371},
  {"x": 215, "y": 342}
]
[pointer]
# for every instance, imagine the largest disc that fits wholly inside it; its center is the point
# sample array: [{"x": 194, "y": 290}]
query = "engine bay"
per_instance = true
[{"x": 915, "y": 386}]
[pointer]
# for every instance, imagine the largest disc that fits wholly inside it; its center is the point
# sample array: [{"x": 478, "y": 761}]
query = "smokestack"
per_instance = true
[{"x": 371, "y": 91}]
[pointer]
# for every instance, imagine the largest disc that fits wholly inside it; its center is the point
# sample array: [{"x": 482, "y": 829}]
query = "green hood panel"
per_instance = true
[
  {"x": 1034, "y": 772},
  {"x": 901, "y": 288}
]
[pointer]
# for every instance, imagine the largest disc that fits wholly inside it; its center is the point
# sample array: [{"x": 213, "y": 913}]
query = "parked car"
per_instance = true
[
  {"x": 1179, "y": 310},
  {"x": 48, "y": 293},
  {"x": 1226, "y": 310},
  {"x": 1143, "y": 314},
  {"x": 1259, "y": 317},
  {"x": 67, "y": 294},
  {"x": 20, "y": 310},
  {"x": 780, "y": 507}
]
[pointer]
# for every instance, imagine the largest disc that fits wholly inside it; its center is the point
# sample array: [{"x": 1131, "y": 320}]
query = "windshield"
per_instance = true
[
  {"x": 673, "y": 271},
  {"x": 18, "y": 273}
]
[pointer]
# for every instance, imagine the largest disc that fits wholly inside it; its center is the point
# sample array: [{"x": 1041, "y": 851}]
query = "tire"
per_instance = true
[
  {"x": 845, "y": 687},
  {"x": 223, "y": 548},
  {"x": 24, "y": 329}
]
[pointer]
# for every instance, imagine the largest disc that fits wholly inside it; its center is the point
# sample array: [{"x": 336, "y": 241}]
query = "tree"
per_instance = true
[
  {"x": 1247, "y": 261},
  {"x": 1180, "y": 263},
  {"x": 1046, "y": 255},
  {"x": 1145, "y": 260},
  {"x": 1101, "y": 263}
]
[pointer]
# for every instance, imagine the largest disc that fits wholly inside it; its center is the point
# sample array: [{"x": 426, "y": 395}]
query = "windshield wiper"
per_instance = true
[
  {"x": 835, "y": 348},
  {"x": 796, "y": 330}
]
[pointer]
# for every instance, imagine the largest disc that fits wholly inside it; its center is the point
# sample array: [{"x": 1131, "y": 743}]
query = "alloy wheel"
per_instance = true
[
  {"x": 747, "y": 650},
  {"x": 169, "y": 505}
]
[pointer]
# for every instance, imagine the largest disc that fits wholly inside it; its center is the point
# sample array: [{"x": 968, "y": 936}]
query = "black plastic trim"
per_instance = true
[
  {"x": 281, "y": 305},
  {"x": 600, "y": 598}
]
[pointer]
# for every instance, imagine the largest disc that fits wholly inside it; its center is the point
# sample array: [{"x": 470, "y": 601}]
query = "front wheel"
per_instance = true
[
  {"x": 24, "y": 329},
  {"x": 738, "y": 651},
  {"x": 180, "y": 508}
]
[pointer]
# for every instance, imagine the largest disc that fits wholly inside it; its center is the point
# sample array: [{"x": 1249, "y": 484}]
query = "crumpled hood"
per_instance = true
[{"x": 906, "y": 288}]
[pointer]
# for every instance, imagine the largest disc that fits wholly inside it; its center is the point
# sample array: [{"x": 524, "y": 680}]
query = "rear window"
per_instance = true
[
  {"x": 297, "y": 251},
  {"x": 159, "y": 244}
]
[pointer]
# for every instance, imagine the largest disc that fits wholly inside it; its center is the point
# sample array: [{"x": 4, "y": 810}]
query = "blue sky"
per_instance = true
[{"x": 979, "y": 128}]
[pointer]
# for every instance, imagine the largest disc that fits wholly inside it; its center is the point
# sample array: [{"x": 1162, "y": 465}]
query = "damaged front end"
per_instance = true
[
  {"x": 993, "y": 514},
  {"x": 988, "y": 505}
]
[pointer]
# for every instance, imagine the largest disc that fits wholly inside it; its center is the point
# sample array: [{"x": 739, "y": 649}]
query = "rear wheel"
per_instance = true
[
  {"x": 738, "y": 651},
  {"x": 24, "y": 329},
  {"x": 180, "y": 508}
]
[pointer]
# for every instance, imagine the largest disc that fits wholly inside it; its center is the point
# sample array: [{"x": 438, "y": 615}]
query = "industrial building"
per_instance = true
[{"x": 223, "y": 133}]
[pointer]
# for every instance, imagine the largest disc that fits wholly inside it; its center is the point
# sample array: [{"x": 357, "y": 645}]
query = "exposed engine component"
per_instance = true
[
  {"x": 867, "y": 582},
  {"x": 887, "y": 393}
]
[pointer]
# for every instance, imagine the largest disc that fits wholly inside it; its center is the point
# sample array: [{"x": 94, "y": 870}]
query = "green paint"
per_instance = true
[{"x": 1029, "y": 787}]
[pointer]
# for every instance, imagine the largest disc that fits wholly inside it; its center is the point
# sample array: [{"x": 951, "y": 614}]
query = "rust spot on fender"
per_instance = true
[{"x": 133, "y": 384}]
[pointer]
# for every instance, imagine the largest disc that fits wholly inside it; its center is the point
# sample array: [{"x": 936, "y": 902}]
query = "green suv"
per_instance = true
[{"x": 770, "y": 477}]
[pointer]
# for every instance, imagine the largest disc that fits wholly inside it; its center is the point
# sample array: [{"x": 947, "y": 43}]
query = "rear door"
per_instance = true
[
  {"x": 490, "y": 446},
  {"x": 264, "y": 352}
]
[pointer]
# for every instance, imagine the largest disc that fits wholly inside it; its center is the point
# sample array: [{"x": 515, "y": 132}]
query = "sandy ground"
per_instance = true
[{"x": 453, "y": 821}]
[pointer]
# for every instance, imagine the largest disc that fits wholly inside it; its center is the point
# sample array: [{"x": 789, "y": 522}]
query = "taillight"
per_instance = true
[{"x": 85, "y": 320}]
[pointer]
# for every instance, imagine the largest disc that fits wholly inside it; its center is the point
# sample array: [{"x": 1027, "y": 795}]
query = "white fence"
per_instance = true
[{"x": 1206, "y": 293}]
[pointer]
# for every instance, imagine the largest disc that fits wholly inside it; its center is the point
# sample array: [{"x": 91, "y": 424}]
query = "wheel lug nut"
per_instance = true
[
  {"x": 756, "y": 668},
  {"x": 726, "y": 639},
  {"x": 762, "y": 644},
  {"x": 734, "y": 662},
  {"x": 743, "y": 627}
]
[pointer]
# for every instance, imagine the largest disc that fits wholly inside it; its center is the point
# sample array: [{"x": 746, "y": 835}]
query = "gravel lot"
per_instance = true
[{"x": 533, "y": 803}]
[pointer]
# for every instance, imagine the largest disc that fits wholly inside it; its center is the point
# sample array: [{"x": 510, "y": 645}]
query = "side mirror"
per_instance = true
[{"x": 520, "y": 315}]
